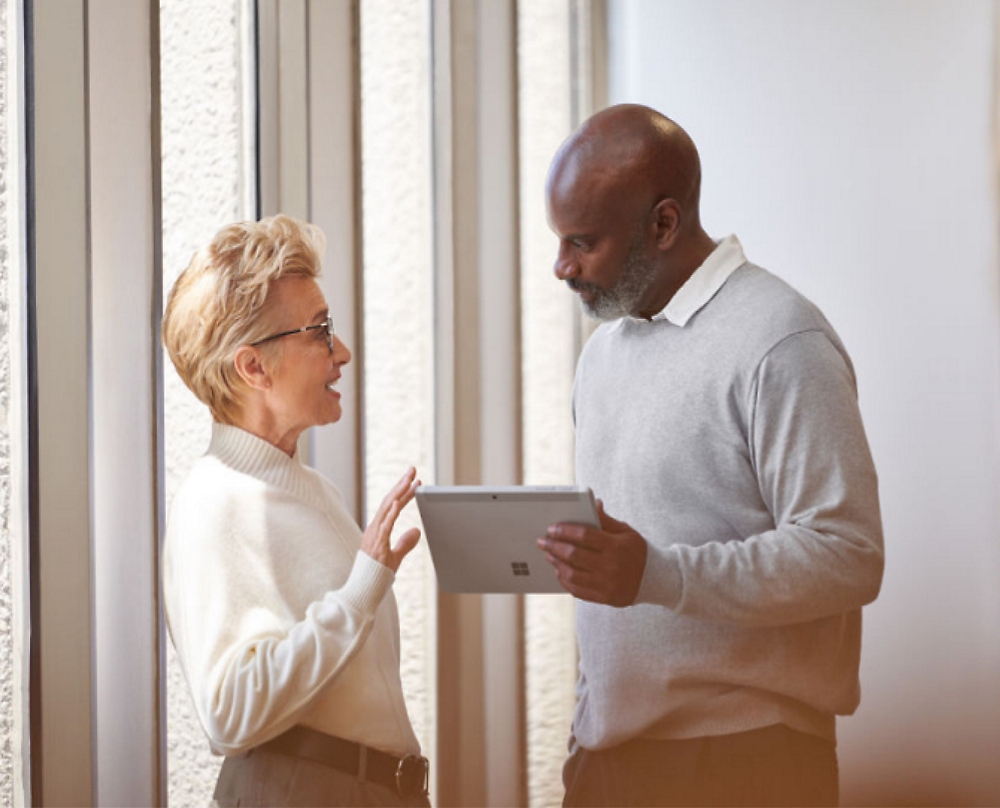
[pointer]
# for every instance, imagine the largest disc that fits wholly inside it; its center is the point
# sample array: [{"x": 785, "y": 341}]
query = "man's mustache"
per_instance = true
[{"x": 582, "y": 286}]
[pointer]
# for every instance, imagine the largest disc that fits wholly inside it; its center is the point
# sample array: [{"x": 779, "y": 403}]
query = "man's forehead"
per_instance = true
[
  {"x": 586, "y": 188},
  {"x": 577, "y": 171}
]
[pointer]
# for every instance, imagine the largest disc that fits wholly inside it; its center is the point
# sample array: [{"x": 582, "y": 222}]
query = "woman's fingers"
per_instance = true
[
  {"x": 405, "y": 543},
  {"x": 400, "y": 501},
  {"x": 405, "y": 484},
  {"x": 385, "y": 528},
  {"x": 377, "y": 537},
  {"x": 401, "y": 486}
]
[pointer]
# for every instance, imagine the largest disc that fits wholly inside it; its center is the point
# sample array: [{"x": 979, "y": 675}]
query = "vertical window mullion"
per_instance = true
[
  {"x": 59, "y": 408},
  {"x": 552, "y": 67},
  {"x": 481, "y": 746},
  {"x": 17, "y": 426},
  {"x": 499, "y": 276},
  {"x": 125, "y": 280},
  {"x": 334, "y": 183}
]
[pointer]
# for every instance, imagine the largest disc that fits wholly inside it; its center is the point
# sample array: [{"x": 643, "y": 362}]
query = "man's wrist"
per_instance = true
[{"x": 662, "y": 582}]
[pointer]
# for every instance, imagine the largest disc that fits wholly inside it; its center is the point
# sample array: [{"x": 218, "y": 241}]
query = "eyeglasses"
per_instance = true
[{"x": 327, "y": 324}]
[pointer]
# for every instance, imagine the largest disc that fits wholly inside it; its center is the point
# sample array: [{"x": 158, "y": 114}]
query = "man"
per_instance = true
[{"x": 716, "y": 417}]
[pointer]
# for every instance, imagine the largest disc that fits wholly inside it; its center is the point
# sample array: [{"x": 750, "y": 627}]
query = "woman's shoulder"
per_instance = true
[
  {"x": 328, "y": 488},
  {"x": 334, "y": 503},
  {"x": 212, "y": 492}
]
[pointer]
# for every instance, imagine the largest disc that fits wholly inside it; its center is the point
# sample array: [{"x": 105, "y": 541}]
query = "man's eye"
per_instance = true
[{"x": 580, "y": 245}]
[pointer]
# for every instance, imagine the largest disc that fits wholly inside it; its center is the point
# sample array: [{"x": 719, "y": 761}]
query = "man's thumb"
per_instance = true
[{"x": 608, "y": 522}]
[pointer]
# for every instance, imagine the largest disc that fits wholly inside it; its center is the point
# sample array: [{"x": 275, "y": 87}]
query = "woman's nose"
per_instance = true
[{"x": 341, "y": 353}]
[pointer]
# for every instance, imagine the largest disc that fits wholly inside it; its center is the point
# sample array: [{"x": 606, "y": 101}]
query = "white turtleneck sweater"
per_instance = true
[{"x": 277, "y": 618}]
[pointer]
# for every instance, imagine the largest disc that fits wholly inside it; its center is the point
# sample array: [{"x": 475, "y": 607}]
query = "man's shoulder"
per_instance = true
[
  {"x": 767, "y": 291},
  {"x": 758, "y": 304},
  {"x": 768, "y": 312}
]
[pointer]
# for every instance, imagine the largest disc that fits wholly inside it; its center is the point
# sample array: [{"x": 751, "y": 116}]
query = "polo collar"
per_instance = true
[{"x": 704, "y": 282}]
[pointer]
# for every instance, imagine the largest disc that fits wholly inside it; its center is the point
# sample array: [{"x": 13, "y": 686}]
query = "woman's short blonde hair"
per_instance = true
[{"x": 220, "y": 302}]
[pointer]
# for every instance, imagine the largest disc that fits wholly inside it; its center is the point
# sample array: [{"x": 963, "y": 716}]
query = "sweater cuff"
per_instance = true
[
  {"x": 662, "y": 583},
  {"x": 367, "y": 584}
]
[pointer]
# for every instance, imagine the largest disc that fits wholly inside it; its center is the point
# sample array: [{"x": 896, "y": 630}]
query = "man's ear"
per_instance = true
[
  {"x": 667, "y": 220},
  {"x": 250, "y": 365}
]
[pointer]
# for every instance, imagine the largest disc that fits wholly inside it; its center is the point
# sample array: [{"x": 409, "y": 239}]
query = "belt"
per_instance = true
[{"x": 408, "y": 776}]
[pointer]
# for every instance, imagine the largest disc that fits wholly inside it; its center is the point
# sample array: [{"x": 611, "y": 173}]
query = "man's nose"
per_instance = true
[{"x": 565, "y": 266}]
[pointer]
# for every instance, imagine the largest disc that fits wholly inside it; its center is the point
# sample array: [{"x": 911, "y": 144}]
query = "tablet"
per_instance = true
[{"x": 482, "y": 538}]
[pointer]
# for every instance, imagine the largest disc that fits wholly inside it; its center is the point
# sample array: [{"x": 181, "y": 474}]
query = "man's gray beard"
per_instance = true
[{"x": 625, "y": 296}]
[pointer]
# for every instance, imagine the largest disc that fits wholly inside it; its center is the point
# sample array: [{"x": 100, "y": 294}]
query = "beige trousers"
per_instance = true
[{"x": 262, "y": 778}]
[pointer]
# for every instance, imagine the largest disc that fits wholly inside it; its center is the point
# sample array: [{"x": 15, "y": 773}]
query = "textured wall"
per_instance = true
[
  {"x": 202, "y": 189},
  {"x": 6, "y": 624},
  {"x": 548, "y": 361},
  {"x": 398, "y": 335}
]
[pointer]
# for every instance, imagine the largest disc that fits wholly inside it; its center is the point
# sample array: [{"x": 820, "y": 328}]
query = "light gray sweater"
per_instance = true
[{"x": 734, "y": 445}]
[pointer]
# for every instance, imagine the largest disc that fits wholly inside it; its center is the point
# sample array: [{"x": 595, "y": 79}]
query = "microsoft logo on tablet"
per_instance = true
[{"x": 520, "y": 567}]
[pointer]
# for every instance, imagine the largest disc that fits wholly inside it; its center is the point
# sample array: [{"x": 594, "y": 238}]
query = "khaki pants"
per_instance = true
[{"x": 263, "y": 778}]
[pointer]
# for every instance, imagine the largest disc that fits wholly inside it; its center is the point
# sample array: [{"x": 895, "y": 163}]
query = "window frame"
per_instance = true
[
  {"x": 94, "y": 451},
  {"x": 87, "y": 468}
]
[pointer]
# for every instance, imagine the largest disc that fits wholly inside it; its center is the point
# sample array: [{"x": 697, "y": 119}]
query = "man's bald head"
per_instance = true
[
  {"x": 630, "y": 152},
  {"x": 623, "y": 194}
]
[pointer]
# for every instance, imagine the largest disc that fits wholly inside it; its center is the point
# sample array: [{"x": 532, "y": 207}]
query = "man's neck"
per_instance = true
[{"x": 682, "y": 262}]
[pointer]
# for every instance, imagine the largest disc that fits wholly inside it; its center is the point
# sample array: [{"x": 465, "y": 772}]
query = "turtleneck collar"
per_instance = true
[{"x": 244, "y": 452}]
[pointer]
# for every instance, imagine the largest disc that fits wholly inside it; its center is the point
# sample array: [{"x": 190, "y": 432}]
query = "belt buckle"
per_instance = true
[{"x": 413, "y": 776}]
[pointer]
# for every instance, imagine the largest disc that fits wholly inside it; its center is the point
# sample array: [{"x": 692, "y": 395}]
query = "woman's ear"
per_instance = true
[{"x": 250, "y": 365}]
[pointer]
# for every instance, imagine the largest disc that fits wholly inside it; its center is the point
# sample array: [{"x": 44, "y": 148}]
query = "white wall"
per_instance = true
[{"x": 848, "y": 144}]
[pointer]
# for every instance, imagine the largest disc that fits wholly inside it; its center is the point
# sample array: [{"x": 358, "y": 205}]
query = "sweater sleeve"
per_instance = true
[
  {"x": 814, "y": 469},
  {"x": 251, "y": 668}
]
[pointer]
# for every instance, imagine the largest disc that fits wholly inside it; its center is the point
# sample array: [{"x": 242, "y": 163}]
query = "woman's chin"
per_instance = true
[
  {"x": 333, "y": 414},
  {"x": 333, "y": 409}
]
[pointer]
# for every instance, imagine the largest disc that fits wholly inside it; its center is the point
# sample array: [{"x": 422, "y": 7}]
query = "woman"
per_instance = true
[{"x": 281, "y": 611}]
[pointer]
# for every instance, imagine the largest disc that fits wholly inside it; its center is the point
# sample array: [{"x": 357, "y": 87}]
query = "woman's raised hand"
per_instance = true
[{"x": 376, "y": 539}]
